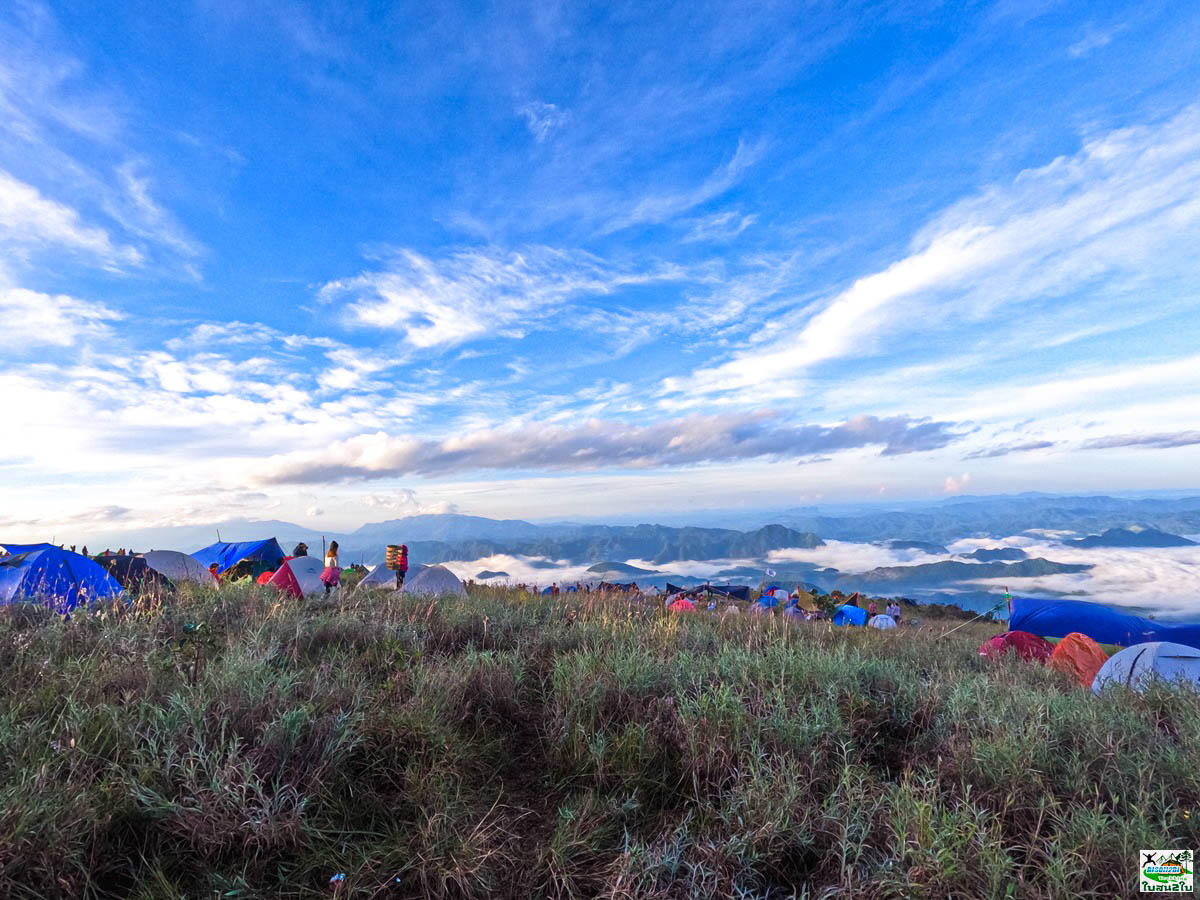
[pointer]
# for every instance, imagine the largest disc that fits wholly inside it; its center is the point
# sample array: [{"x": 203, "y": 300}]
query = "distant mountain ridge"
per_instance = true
[{"x": 1132, "y": 537}]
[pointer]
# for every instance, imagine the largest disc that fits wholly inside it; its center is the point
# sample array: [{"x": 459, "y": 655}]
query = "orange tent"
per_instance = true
[{"x": 1079, "y": 656}]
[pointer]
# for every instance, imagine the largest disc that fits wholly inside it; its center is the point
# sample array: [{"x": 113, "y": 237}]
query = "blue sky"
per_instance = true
[{"x": 291, "y": 261}]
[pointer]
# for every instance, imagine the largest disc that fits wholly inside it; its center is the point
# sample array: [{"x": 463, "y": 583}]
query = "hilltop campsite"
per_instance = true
[{"x": 250, "y": 736}]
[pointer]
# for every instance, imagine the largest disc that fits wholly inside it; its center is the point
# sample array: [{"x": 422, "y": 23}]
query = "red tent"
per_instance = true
[
  {"x": 299, "y": 576},
  {"x": 1025, "y": 645},
  {"x": 683, "y": 604}
]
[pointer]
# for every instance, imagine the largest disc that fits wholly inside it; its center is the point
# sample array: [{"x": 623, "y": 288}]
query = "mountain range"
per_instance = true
[{"x": 624, "y": 552}]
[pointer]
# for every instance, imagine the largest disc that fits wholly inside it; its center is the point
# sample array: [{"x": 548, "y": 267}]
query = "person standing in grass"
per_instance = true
[
  {"x": 402, "y": 567},
  {"x": 332, "y": 576}
]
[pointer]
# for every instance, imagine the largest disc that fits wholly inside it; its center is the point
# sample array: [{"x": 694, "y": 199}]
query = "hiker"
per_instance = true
[
  {"x": 332, "y": 576},
  {"x": 84, "y": 552},
  {"x": 301, "y": 549},
  {"x": 893, "y": 610},
  {"x": 215, "y": 572},
  {"x": 872, "y": 609},
  {"x": 402, "y": 566}
]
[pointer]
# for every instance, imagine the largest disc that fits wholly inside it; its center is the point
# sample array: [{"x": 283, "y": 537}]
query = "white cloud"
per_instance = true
[
  {"x": 30, "y": 220},
  {"x": 723, "y": 226},
  {"x": 1093, "y": 39},
  {"x": 598, "y": 444},
  {"x": 954, "y": 485},
  {"x": 313, "y": 511},
  {"x": 478, "y": 292},
  {"x": 662, "y": 207},
  {"x": 542, "y": 119},
  {"x": 1127, "y": 198},
  {"x": 32, "y": 319}
]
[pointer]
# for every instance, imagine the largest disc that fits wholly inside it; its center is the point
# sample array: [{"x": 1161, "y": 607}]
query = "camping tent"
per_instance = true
[
  {"x": 806, "y": 602},
  {"x": 299, "y": 576},
  {"x": 136, "y": 576},
  {"x": 1136, "y": 667},
  {"x": 179, "y": 567},
  {"x": 733, "y": 591},
  {"x": 434, "y": 581},
  {"x": 849, "y": 615},
  {"x": 682, "y": 604},
  {"x": 1027, "y": 646},
  {"x": 1058, "y": 618},
  {"x": 59, "y": 578},
  {"x": 882, "y": 622},
  {"x": 261, "y": 555},
  {"x": 1079, "y": 656},
  {"x": 13, "y": 549},
  {"x": 381, "y": 578}
]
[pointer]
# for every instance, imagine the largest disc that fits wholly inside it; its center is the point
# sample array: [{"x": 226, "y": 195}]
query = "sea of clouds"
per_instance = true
[{"x": 1161, "y": 580}]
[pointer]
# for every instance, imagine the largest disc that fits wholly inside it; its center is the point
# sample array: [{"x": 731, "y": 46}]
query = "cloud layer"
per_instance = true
[{"x": 601, "y": 445}]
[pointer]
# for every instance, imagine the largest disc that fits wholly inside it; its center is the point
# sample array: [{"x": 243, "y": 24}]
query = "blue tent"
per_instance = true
[
  {"x": 58, "y": 578},
  {"x": 23, "y": 548},
  {"x": 1058, "y": 618},
  {"x": 227, "y": 555},
  {"x": 849, "y": 615}
]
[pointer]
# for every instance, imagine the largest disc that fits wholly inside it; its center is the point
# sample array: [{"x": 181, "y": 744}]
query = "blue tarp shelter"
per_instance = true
[
  {"x": 22, "y": 548},
  {"x": 849, "y": 615},
  {"x": 227, "y": 555},
  {"x": 56, "y": 578},
  {"x": 1058, "y": 618}
]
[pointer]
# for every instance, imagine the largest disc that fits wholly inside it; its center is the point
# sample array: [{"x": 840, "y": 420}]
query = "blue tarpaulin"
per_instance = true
[
  {"x": 23, "y": 548},
  {"x": 227, "y": 555},
  {"x": 849, "y": 615},
  {"x": 58, "y": 578},
  {"x": 1058, "y": 618}
]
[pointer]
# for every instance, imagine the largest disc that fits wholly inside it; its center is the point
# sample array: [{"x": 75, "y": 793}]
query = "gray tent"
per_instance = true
[
  {"x": 1138, "y": 666},
  {"x": 381, "y": 578},
  {"x": 434, "y": 581}
]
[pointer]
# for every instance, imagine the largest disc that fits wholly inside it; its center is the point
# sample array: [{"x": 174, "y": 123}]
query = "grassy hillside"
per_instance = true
[{"x": 506, "y": 746}]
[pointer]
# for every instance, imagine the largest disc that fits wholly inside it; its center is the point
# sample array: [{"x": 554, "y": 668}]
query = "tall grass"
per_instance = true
[{"x": 509, "y": 746}]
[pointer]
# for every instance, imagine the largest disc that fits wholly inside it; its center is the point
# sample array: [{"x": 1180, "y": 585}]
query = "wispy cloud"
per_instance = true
[
  {"x": 599, "y": 445},
  {"x": 1159, "y": 441},
  {"x": 1126, "y": 197},
  {"x": 1093, "y": 39},
  {"x": 542, "y": 119},
  {"x": 723, "y": 226},
  {"x": 661, "y": 207},
  {"x": 478, "y": 292},
  {"x": 1005, "y": 450},
  {"x": 31, "y": 221}
]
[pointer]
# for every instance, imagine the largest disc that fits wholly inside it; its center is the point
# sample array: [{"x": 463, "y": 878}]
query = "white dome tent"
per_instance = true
[
  {"x": 179, "y": 567},
  {"x": 381, "y": 578},
  {"x": 882, "y": 622},
  {"x": 434, "y": 581},
  {"x": 1137, "y": 667}
]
